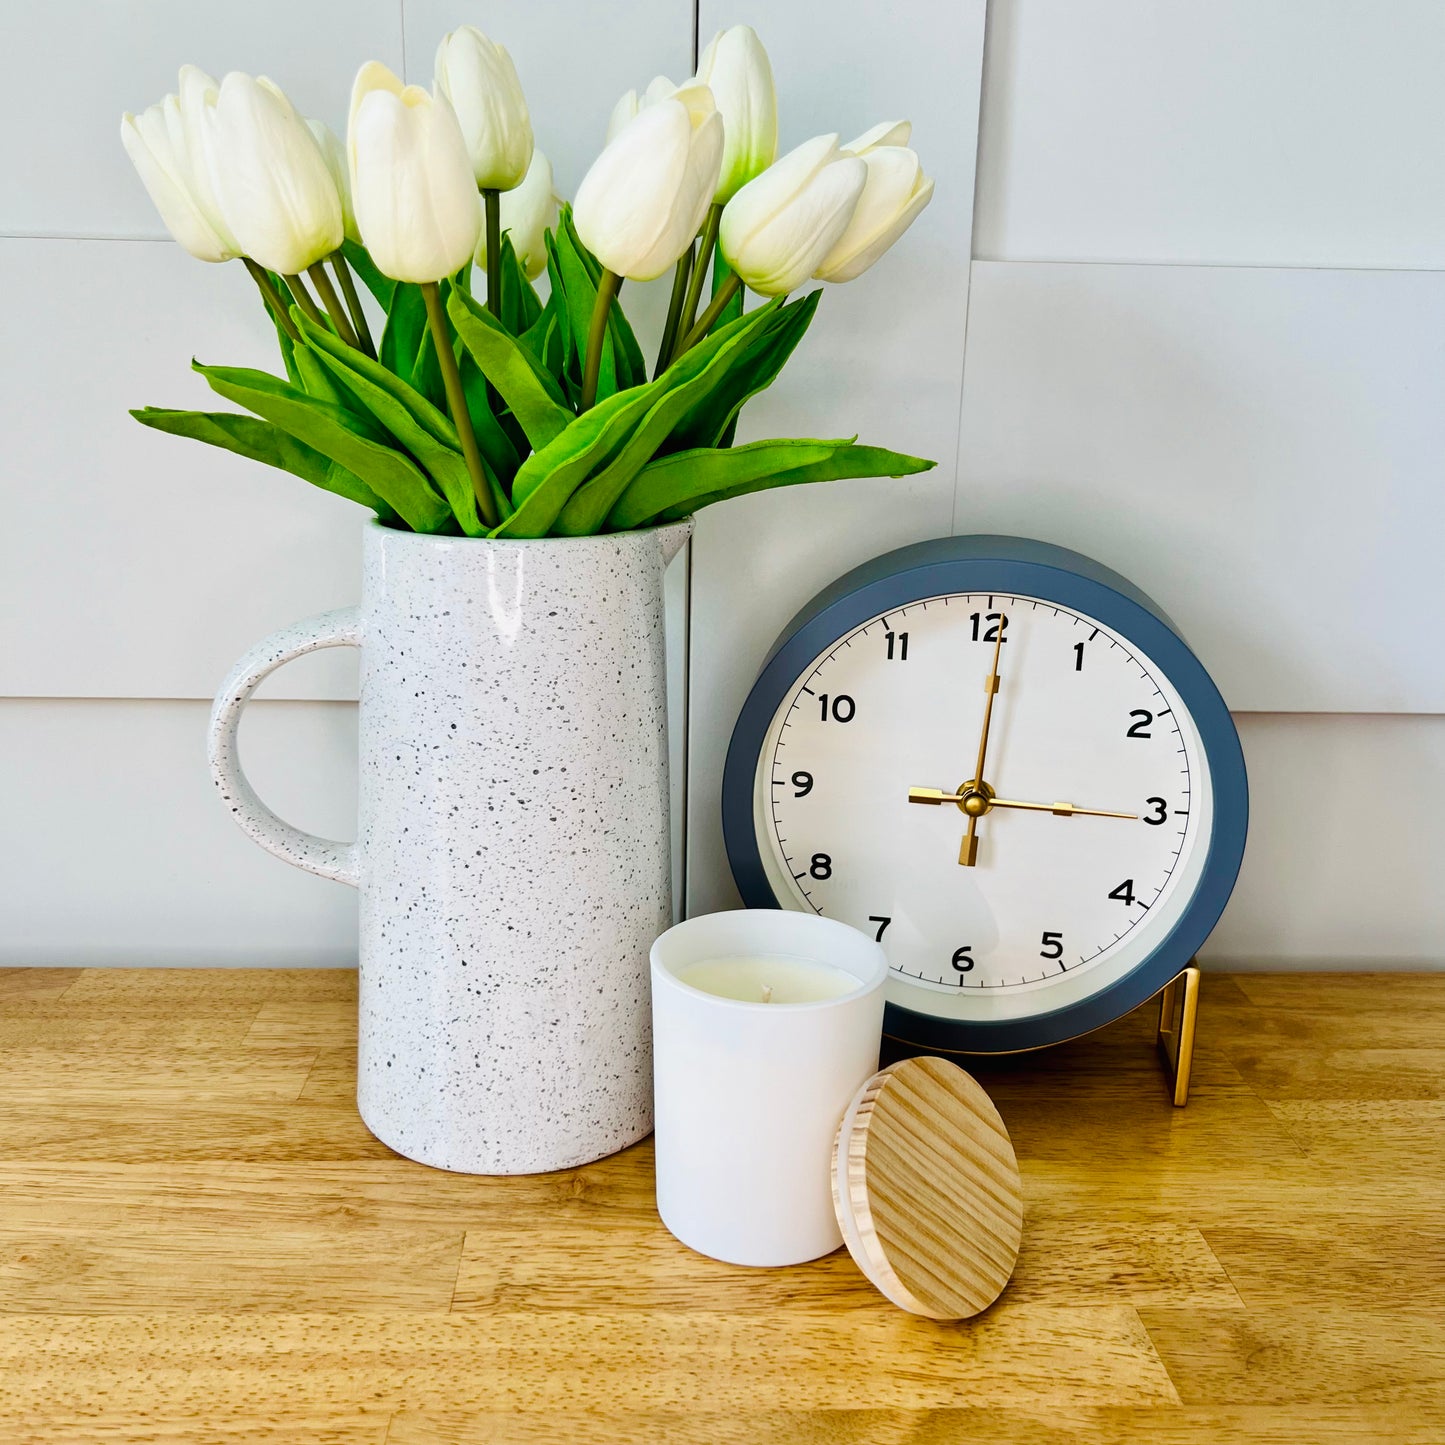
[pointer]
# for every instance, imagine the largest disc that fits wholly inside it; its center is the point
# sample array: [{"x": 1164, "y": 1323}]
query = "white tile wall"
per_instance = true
[
  {"x": 1260, "y": 450},
  {"x": 134, "y": 564},
  {"x": 1256, "y": 132},
  {"x": 74, "y": 65},
  {"x": 116, "y": 850},
  {"x": 1327, "y": 885}
]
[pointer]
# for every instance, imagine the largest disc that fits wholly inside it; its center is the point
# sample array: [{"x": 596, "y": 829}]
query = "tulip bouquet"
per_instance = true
[{"x": 507, "y": 414}]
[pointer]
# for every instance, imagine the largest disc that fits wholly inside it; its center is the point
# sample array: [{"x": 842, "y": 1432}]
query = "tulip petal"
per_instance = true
[
  {"x": 894, "y": 179},
  {"x": 885, "y": 133},
  {"x": 411, "y": 180},
  {"x": 479, "y": 79},
  {"x": 627, "y": 207},
  {"x": 853, "y": 266},
  {"x": 148, "y": 143},
  {"x": 761, "y": 199},
  {"x": 786, "y": 248},
  {"x": 271, "y": 179}
]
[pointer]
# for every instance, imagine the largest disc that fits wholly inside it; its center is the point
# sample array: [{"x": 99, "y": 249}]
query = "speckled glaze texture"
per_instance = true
[{"x": 513, "y": 859}]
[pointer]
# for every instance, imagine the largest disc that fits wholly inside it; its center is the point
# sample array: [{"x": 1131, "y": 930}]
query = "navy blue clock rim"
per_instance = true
[{"x": 1013, "y": 566}]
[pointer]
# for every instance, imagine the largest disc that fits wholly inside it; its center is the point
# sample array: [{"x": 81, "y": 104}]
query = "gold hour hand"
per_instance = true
[{"x": 931, "y": 795}]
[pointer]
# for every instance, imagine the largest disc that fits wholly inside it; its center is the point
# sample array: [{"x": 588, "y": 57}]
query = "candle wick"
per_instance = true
[{"x": 767, "y": 993}]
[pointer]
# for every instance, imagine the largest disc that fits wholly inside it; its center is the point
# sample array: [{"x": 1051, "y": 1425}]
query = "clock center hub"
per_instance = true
[{"x": 974, "y": 798}]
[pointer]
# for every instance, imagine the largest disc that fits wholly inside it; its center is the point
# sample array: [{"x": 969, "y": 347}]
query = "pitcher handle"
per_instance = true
[{"x": 338, "y": 861}]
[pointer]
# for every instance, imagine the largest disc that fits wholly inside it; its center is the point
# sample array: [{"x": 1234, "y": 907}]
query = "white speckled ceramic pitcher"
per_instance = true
[{"x": 513, "y": 859}]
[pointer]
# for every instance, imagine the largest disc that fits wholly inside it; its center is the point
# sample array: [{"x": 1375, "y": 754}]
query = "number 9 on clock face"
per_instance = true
[{"x": 1010, "y": 787}]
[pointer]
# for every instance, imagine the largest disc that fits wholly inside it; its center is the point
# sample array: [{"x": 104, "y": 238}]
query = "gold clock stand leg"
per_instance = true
[{"x": 1178, "y": 1009}]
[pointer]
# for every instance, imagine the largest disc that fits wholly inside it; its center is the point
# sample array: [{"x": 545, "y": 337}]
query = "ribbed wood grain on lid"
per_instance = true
[{"x": 926, "y": 1187}]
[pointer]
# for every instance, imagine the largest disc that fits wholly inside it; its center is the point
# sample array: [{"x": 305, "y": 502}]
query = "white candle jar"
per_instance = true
[{"x": 749, "y": 1094}]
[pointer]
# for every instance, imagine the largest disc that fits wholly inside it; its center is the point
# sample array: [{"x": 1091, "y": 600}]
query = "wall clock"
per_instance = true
[{"x": 1000, "y": 759}]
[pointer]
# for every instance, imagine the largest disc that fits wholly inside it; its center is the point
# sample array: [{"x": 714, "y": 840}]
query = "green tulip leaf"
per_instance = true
[
  {"x": 359, "y": 259},
  {"x": 720, "y": 272},
  {"x": 336, "y": 433},
  {"x": 498, "y": 449},
  {"x": 672, "y": 395},
  {"x": 521, "y": 381},
  {"x": 711, "y": 422},
  {"x": 521, "y": 305},
  {"x": 423, "y": 430},
  {"x": 248, "y": 436},
  {"x": 405, "y": 330},
  {"x": 315, "y": 379},
  {"x": 548, "y": 478},
  {"x": 678, "y": 485},
  {"x": 578, "y": 294},
  {"x": 632, "y": 367}
]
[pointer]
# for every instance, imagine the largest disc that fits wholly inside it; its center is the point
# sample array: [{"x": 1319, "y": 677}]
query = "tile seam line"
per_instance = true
[{"x": 1179, "y": 264}]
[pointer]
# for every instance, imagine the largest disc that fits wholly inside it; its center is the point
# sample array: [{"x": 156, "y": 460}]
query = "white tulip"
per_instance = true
[
  {"x": 631, "y": 103},
  {"x": 199, "y": 94},
  {"x": 896, "y": 191},
  {"x": 479, "y": 80},
  {"x": 335, "y": 154},
  {"x": 735, "y": 68},
  {"x": 777, "y": 229},
  {"x": 528, "y": 211},
  {"x": 885, "y": 133},
  {"x": 155, "y": 141},
  {"x": 639, "y": 207},
  {"x": 411, "y": 178},
  {"x": 270, "y": 177}
]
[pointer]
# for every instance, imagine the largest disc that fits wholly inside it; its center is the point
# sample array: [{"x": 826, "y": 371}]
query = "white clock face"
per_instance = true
[{"x": 1055, "y": 906}]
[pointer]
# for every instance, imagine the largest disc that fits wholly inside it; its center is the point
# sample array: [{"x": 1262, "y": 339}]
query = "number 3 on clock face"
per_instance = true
[{"x": 1090, "y": 829}]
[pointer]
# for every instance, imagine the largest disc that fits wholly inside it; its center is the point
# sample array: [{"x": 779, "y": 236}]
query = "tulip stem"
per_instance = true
[
  {"x": 274, "y": 300},
  {"x": 492, "y": 205},
  {"x": 304, "y": 301},
  {"x": 715, "y": 308},
  {"x": 332, "y": 302},
  {"x": 674, "y": 311},
  {"x": 607, "y": 289},
  {"x": 353, "y": 304},
  {"x": 694, "y": 286},
  {"x": 457, "y": 402}
]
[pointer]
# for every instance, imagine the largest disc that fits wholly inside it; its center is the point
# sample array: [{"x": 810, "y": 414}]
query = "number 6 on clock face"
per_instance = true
[{"x": 1036, "y": 900}]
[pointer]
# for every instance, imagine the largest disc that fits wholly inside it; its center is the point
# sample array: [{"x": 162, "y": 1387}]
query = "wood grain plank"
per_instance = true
[
  {"x": 311, "y": 1023},
  {"x": 210, "y": 988},
  {"x": 158, "y": 1426},
  {"x": 1347, "y": 1256},
  {"x": 1346, "y": 995},
  {"x": 153, "y": 1132},
  {"x": 1341, "y": 1425},
  {"x": 582, "y": 1360},
  {"x": 340, "y": 1271},
  {"x": 637, "y": 1266},
  {"x": 121, "y": 1078},
  {"x": 32, "y": 982},
  {"x": 1355, "y": 1353}
]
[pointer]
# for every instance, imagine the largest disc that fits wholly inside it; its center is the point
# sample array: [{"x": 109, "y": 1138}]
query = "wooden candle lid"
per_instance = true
[{"x": 926, "y": 1188}]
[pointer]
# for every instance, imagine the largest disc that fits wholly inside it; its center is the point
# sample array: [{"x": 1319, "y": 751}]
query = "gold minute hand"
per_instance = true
[
  {"x": 991, "y": 686},
  {"x": 1062, "y": 810}
]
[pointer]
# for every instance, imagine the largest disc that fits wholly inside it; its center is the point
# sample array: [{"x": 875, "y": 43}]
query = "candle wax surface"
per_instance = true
[{"x": 769, "y": 979}]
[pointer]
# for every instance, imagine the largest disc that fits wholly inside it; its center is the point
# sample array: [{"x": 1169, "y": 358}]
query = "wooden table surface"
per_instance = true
[{"x": 199, "y": 1241}]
